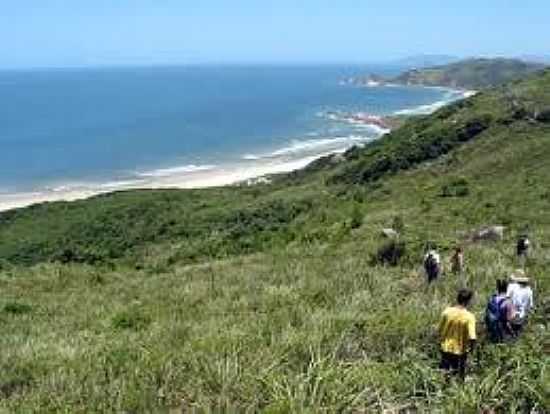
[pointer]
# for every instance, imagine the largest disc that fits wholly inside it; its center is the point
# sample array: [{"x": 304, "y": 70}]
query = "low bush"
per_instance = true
[
  {"x": 356, "y": 219},
  {"x": 390, "y": 253},
  {"x": 407, "y": 147},
  {"x": 131, "y": 319},
  {"x": 455, "y": 188},
  {"x": 17, "y": 308}
]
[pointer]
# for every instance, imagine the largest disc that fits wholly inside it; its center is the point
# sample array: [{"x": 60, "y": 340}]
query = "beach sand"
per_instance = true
[{"x": 200, "y": 178}]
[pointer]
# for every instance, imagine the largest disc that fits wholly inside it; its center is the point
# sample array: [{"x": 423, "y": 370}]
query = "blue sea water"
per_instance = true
[{"x": 93, "y": 126}]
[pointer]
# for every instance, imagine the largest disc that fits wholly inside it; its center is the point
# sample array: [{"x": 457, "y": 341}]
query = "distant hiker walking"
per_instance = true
[
  {"x": 457, "y": 260},
  {"x": 521, "y": 295},
  {"x": 522, "y": 249},
  {"x": 457, "y": 265},
  {"x": 457, "y": 334},
  {"x": 499, "y": 313},
  {"x": 432, "y": 265}
]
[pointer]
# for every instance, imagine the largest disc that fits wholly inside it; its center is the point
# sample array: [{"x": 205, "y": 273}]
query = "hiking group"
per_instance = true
[{"x": 506, "y": 313}]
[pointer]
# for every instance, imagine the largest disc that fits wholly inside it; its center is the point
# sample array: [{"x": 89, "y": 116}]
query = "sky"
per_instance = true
[{"x": 59, "y": 33}]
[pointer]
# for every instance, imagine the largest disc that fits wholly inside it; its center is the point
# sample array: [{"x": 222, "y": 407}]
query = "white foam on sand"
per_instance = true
[
  {"x": 316, "y": 147},
  {"x": 358, "y": 120},
  {"x": 452, "y": 95},
  {"x": 167, "y": 172},
  {"x": 377, "y": 129},
  {"x": 233, "y": 174},
  {"x": 180, "y": 178},
  {"x": 296, "y": 155},
  {"x": 423, "y": 109},
  {"x": 18, "y": 200}
]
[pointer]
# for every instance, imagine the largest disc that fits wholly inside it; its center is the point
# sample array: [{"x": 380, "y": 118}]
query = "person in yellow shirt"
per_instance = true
[{"x": 457, "y": 333}]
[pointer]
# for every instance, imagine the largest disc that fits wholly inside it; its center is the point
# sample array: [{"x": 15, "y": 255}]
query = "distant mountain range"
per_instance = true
[
  {"x": 536, "y": 58},
  {"x": 430, "y": 60},
  {"x": 424, "y": 61}
]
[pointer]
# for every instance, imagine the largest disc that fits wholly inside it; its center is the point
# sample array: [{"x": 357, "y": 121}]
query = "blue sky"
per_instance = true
[{"x": 111, "y": 32}]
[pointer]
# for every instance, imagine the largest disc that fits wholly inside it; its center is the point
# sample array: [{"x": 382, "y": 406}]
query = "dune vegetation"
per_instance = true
[{"x": 280, "y": 297}]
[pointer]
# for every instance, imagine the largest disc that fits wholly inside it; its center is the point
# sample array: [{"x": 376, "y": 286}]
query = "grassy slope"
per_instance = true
[
  {"x": 292, "y": 315},
  {"x": 470, "y": 74}
]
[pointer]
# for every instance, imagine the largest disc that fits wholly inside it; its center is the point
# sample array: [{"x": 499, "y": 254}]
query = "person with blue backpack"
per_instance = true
[
  {"x": 432, "y": 265},
  {"x": 522, "y": 249},
  {"x": 499, "y": 313}
]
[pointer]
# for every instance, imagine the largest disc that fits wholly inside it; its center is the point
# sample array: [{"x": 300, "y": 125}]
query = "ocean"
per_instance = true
[{"x": 102, "y": 129}]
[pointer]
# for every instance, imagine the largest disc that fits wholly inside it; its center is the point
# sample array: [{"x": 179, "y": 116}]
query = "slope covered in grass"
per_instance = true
[{"x": 269, "y": 298}]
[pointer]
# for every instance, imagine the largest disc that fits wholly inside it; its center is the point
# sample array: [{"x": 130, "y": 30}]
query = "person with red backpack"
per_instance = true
[{"x": 499, "y": 313}]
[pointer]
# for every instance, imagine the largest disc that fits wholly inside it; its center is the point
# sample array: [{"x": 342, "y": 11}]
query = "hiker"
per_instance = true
[
  {"x": 522, "y": 249},
  {"x": 521, "y": 295},
  {"x": 457, "y": 334},
  {"x": 499, "y": 313},
  {"x": 457, "y": 260},
  {"x": 432, "y": 265}
]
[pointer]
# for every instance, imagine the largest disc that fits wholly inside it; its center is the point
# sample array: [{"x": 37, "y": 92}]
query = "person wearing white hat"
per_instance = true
[
  {"x": 521, "y": 295},
  {"x": 432, "y": 265}
]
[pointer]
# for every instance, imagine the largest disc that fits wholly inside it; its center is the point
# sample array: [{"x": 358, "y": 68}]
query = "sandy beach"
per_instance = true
[{"x": 199, "y": 178}]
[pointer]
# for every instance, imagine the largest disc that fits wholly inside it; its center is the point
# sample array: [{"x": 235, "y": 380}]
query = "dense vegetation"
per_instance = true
[
  {"x": 284, "y": 297},
  {"x": 473, "y": 73}
]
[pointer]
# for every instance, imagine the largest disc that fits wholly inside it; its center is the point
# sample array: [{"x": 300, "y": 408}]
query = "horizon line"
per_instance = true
[{"x": 398, "y": 61}]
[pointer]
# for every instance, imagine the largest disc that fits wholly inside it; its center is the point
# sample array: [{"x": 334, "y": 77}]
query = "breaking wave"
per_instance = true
[
  {"x": 168, "y": 172},
  {"x": 451, "y": 96},
  {"x": 311, "y": 147}
]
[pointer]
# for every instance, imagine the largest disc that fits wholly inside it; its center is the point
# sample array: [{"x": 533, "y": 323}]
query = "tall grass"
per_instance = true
[
  {"x": 268, "y": 298},
  {"x": 298, "y": 331}
]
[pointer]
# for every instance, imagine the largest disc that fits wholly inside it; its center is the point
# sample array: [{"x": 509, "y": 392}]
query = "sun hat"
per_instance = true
[{"x": 519, "y": 276}]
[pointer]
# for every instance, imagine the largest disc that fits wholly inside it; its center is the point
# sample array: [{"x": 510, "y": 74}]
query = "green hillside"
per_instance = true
[
  {"x": 277, "y": 297},
  {"x": 475, "y": 73}
]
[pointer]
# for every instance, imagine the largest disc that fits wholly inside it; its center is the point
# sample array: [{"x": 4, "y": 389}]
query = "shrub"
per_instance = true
[
  {"x": 456, "y": 188},
  {"x": 16, "y": 308},
  {"x": 356, "y": 217},
  {"x": 405, "y": 148},
  {"x": 14, "y": 378},
  {"x": 130, "y": 319},
  {"x": 390, "y": 253},
  {"x": 398, "y": 224},
  {"x": 543, "y": 115},
  {"x": 96, "y": 278}
]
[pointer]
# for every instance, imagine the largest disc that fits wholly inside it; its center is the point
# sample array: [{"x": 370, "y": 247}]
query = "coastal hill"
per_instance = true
[
  {"x": 475, "y": 73},
  {"x": 285, "y": 296},
  {"x": 470, "y": 74}
]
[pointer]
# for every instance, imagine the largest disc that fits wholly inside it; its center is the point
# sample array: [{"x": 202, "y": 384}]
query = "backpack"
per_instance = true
[
  {"x": 523, "y": 245},
  {"x": 495, "y": 316},
  {"x": 430, "y": 264}
]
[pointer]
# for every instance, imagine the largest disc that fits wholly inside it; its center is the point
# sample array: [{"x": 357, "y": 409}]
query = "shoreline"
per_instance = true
[
  {"x": 252, "y": 170},
  {"x": 229, "y": 175}
]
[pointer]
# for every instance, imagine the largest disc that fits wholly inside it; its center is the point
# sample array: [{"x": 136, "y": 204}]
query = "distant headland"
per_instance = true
[{"x": 468, "y": 74}]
